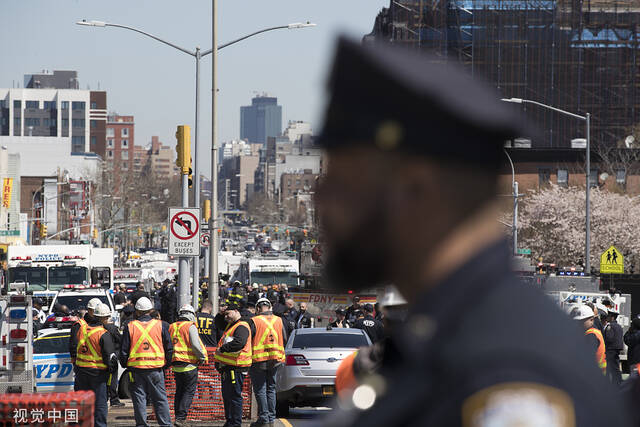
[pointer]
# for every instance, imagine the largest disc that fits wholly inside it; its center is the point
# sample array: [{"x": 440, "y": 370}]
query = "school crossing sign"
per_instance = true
[{"x": 612, "y": 261}]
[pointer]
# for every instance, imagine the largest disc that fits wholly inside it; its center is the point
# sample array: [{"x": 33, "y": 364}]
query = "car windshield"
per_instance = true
[
  {"x": 270, "y": 277},
  {"x": 36, "y": 277},
  {"x": 54, "y": 343},
  {"x": 60, "y": 276},
  {"x": 329, "y": 340},
  {"x": 78, "y": 302}
]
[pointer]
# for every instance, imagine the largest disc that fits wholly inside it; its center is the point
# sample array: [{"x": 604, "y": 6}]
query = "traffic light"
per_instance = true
[
  {"x": 43, "y": 231},
  {"x": 305, "y": 232},
  {"x": 150, "y": 230},
  {"x": 183, "y": 148},
  {"x": 164, "y": 228},
  {"x": 190, "y": 179},
  {"x": 139, "y": 231},
  {"x": 95, "y": 233},
  {"x": 207, "y": 210}
]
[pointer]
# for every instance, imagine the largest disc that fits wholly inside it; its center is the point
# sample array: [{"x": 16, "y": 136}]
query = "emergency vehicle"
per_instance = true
[
  {"x": 45, "y": 270},
  {"x": 16, "y": 347},
  {"x": 267, "y": 270},
  {"x": 52, "y": 366}
]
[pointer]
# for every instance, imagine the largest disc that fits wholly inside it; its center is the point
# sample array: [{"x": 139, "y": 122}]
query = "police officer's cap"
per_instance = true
[{"x": 402, "y": 101}]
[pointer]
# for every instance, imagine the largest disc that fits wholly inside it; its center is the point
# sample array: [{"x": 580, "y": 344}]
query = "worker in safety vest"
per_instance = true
[
  {"x": 584, "y": 314},
  {"x": 146, "y": 349},
  {"x": 95, "y": 359},
  {"x": 188, "y": 353},
  {"x": 233, "y": 360},
  {"x": 267, "y": 354},
  {"x": 88, "y": 317}
]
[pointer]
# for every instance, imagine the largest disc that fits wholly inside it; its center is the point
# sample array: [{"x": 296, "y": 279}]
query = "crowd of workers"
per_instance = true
[{"x": 246, "y": 337}]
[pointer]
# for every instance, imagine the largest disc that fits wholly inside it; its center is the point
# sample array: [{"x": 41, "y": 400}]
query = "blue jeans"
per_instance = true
[
  {"x": 232, "y": 381},
  {"x": 149, "y": 382},
  {"x": 98, "y": 384},
  {"x": 264, "y": 388}
]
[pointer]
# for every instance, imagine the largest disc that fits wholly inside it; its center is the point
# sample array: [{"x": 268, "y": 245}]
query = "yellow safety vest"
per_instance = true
[
  {"x": 268, "y": 342},
  {"x": 182, "y": 351},
  {"x": 240, "y": 358},
  {"x": 147, "y": 351},
  {"x": 88, "y": 351}
]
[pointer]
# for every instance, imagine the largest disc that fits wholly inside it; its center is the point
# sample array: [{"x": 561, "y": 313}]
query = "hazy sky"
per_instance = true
[{"x": 156, "y": 83}]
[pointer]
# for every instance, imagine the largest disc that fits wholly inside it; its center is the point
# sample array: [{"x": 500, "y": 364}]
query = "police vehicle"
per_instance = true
[
  {"x": 75, "y": 299},
  {"x": 52, "y": 366}
]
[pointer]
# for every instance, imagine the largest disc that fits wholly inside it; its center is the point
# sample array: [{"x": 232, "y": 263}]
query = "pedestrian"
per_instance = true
[
  {"x": 368, "y": 323},
  {"x": 632, "y": 340},
  {"x": 206, "y": 325},
  {"x": 138, "y": 293},
  {"x": 341, "y": 321},
  {"x": 169, "y": 298},
  {"x": 584, "y": 315},
  {"x": 289, "y": 315},
  {"x": 233, "y": 360},
  {"x": 415, "y": 149},
  {"x": 303, "y": 319},
  {"x": 268, "y": 340},
  {"x": 37, "y": 304},
  {"x": 92, "y": 304},
  {"x": 95, "y": 360},
  {"x": 613, "y": 343},
  {"x": 220, "y": 319},
  {"x": 155, "y": 296},
  {"x": 121, "y": 294},
  {"x": 146, "y": 350},
  {"x": 351, "y": 310},
  {"x": 188, "y": 353},
  {"x": 112, "y": 383},
  {"x": 379, "y": 316}
]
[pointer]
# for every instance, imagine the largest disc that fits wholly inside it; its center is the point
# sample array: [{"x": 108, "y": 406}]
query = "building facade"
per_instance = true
[
  {"x": 261, "y": 120},
  {"x": 120, "y": 143},
  {"x": 157, "y": 159},
  {"x": 292, "y": 184}
]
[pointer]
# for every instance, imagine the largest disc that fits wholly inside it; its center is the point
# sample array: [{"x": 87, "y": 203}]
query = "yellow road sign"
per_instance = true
[{"x": 612, "y": 261}]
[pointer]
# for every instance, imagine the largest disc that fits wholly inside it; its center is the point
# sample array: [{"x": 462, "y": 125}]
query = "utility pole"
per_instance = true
[
  {"x": 213, "y": 242},
  {"x": 183, "y": 150}
]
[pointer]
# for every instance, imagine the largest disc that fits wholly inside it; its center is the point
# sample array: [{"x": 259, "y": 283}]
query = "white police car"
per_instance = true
[
  {"x": 52, "y": 368},
  {"x": 76, "y": 299}
]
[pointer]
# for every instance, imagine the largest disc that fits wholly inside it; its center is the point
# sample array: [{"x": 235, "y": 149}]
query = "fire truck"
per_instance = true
[{"x": 16, "y": 346}]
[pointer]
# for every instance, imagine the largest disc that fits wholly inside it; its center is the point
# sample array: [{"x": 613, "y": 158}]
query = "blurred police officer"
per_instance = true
[
  {"x": 188, "y": 353},
  {"x": 370, "y": 325},
  {"x": 415, "y": 149},
  {"x": 146, "y": 350},
  {"x": 95, "y": 360},
  {"x": 233, "y": 360}
]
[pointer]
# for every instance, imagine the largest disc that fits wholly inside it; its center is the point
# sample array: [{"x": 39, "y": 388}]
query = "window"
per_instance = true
[
  {"x": 32, "y": 104},
  {"x": 563, "y": 177},
  {"x": 94, "y": 105},
  {"x": 593, "y": 178},
  {"x": 50, "y": 122},
  {"x": 64, "y": 105},
  {"x": 109, "y": 153},
  {"x": 125, "y": 166},
  {"x": 77, "y": 105},
  {"x": 17, "y": 104},
  {"x": 57, "y": 342},
  {"x": 329, "y": 340},
  {"x": 124, "y": 132},
  {"x": 31, "y": 121},
  {"x": 109, "y": 143},
  {"x": 621, "y": 176},
  {"x": 50, "y": 105},
  {"x": 94, "y": 141},
  {"x": 16, "y": 123},
  {"x": 77, "y": 143},
  {"x": 77, "y": 123},
  {"x": 125, "y": 143},
  {"x": 124, "y": 155},
  {"x": 65, "y": 123},
  {"x": 93, "y": 124},
  {"x": 110, "y": 132},
  {"x": 544, "y": 175}
]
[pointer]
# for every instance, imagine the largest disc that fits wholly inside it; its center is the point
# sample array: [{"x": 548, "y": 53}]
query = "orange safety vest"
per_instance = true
[
  {"x": 88, "y": 351},
  {"x": 345, "y": 377},
  {"x": 182, "y": 351},
  {"x": 147, "y": 351},
  {"x": 240, "y": 358},
  {"x": 268, "y": 342},
  {"x": 600, "y": 356}
]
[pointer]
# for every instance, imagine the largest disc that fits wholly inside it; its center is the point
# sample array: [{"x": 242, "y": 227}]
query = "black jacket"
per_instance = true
[
  {"x": 468, "y": 345},
  {"x": 207, "y": 329},
  {"x": 613, "y": 336},
  {"x": 126, "y": 342},
  {"x": 116, "y": 336},
  {"x": 632, "y": 340},
  {"x": 303, "y": 320},
  {"x": 371, "y": 326}
]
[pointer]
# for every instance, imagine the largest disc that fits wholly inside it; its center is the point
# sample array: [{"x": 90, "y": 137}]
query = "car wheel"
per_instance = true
[
  {"x": 123, "y": 386},
  {"x": 282, "y": 409}
]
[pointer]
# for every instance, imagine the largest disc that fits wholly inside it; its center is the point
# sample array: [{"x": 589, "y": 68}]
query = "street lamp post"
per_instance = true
[
  {"x": 587, "y": 120},
  {"x": 514, "y": 188},
  {"x": 198, "y": 55}
]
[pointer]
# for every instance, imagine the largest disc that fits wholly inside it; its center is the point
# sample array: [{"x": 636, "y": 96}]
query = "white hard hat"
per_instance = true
[
  {"x": 102, "y": 310},
  {"x": 93, "y": 303},
  {"x": 255, "y": 286},
  {"x": 391, "y": 297},
  {"x": 581, "y": 312},
  {"x": 187, "y": 308},
  {"x": 602, "y": 308},
  {"x": 144, "y": 304},
  {"x": 613, "y": 310},
  {"x": 263, "y": 301}
]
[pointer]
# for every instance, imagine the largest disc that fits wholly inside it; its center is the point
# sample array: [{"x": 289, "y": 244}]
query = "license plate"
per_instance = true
[{"x": 328, "y": 390}]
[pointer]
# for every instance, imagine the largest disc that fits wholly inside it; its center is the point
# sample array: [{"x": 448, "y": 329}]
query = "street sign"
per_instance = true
[
  {"x": 524, "y": 251},
  {"x": 184, "y": 232},
  {"x": 612, "y": 261},
  {"x": 204, "y": 239},
  {"x": 9, "y": 232}
]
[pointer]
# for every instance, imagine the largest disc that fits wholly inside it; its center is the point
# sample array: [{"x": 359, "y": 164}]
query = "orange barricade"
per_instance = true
[
  {"x": 207, "y": 403},
  {"x": 50, "y": 409}
]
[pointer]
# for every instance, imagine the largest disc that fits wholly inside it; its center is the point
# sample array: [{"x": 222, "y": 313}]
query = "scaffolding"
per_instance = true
[{"x": 577, "y": 55}]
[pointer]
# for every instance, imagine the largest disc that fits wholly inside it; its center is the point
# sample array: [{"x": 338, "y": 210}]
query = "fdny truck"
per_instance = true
[
  {"x": 45, "y": 270},
  {"x": 16, "y": 346}
]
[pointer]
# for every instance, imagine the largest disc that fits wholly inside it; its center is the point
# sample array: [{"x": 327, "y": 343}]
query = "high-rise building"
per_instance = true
[
  {"x": 579, "y": 57},
  {"x": 261, "y": 120},
  {"x": 120, "y": 141}
]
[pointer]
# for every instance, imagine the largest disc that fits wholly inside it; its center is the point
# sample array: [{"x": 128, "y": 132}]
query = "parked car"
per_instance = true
[
  {"x": 312, "y": 357},
  {"x": 52, "y": 366}
]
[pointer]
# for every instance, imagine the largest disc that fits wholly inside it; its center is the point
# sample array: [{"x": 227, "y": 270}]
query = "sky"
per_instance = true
[{"x": 156, "y": 83}]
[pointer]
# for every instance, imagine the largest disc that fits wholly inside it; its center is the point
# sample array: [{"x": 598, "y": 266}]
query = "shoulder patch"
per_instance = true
[{"x": 519, "y": 404}]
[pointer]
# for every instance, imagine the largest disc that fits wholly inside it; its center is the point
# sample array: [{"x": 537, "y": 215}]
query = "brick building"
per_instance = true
[
  {"x": 156, "y": 158},
  {"x": 292, "y": 184},
  {"x": 119, "y": 144}
]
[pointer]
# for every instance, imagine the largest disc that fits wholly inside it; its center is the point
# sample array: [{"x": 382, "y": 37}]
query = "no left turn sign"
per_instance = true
[
  {"x": 184, "y": 236},
  {"x": 204, "y": 239}
]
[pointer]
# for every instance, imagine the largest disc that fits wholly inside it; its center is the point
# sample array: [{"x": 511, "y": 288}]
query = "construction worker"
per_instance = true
[
  {"x": 584, "y": 314},
  {"x": 73, "y": 333},
  {"x": 233, "y": 360},
  {"x": 95, "y": 360},
  {"x": 188, "y": 353},
  {"x": 146, "y": 350},
  {"x": 267, "y": 354}
]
